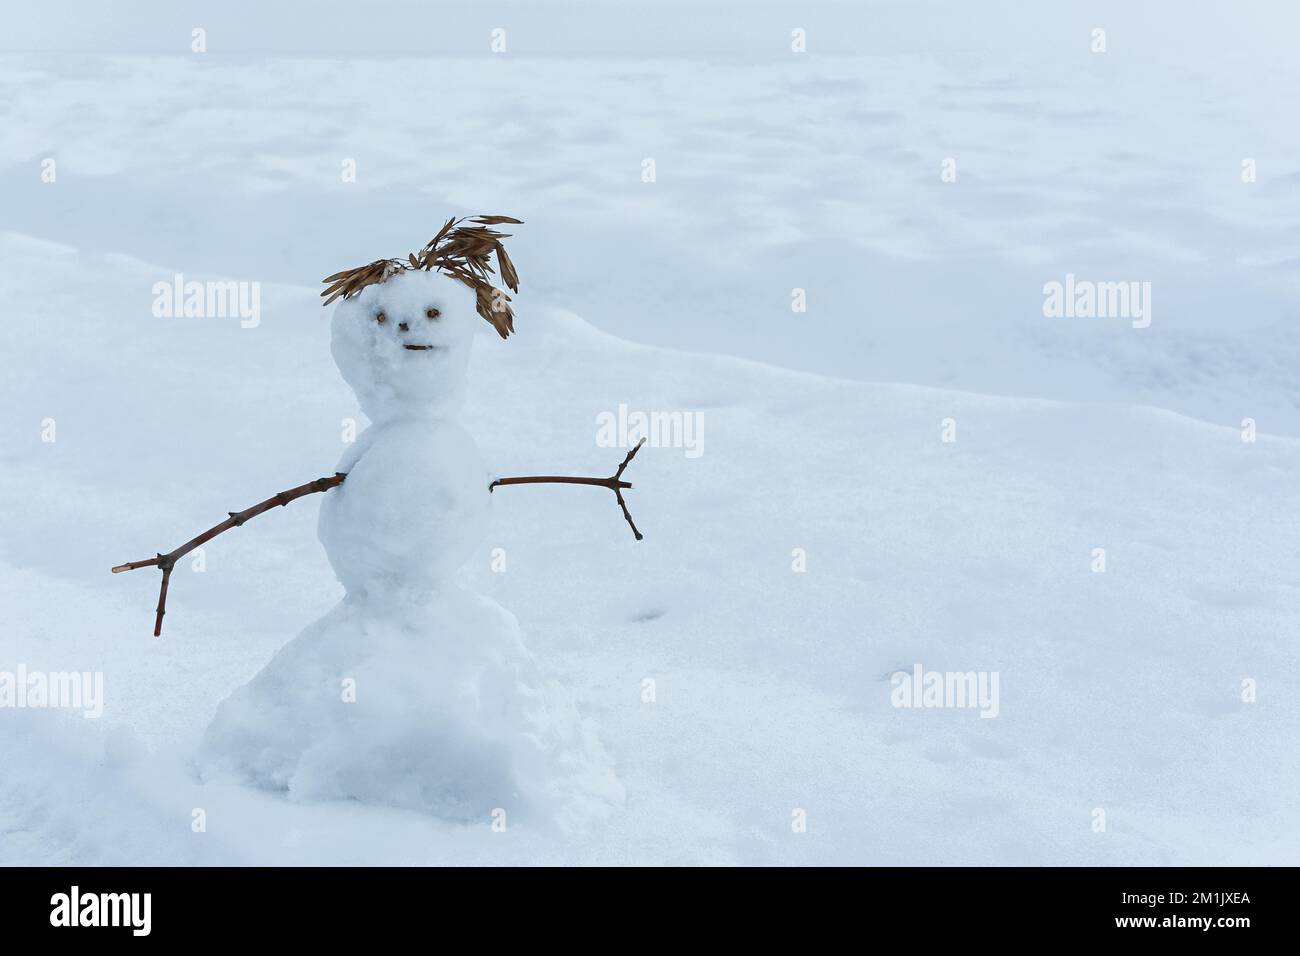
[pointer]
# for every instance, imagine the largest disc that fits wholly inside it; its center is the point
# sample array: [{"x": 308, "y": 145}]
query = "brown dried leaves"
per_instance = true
[{"x": 463, "y": 252}]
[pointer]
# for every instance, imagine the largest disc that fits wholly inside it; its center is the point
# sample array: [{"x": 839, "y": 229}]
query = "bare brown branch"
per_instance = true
[
  {"x": 614, "y": 483},
  {"x": 168, "y": 561}
]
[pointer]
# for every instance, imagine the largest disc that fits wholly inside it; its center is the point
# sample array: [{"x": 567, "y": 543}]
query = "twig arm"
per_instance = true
[
  {"x": 168, "y": 561},
  {"x": 614, "y": 483}
]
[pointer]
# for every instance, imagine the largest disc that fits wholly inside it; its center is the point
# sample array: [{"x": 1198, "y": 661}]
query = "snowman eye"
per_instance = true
[
  {"x": 381, "y": 318},
  {"x": 432, "y": 313}
]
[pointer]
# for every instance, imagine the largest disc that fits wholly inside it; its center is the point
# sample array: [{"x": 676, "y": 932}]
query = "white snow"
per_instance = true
[
  {"x": 423, "y": 699},
  {"x": 1119, "y": 691}
]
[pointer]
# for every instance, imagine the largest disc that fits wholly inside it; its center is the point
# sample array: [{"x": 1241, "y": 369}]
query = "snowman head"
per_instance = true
[
  {"x": 403, "y": 344},
  {"x": 402, "y": 334}
]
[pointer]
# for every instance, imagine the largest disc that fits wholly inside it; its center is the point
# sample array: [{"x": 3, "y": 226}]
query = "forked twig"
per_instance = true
[
  {"x": 614, "y": 483},
  {"x": 168, "y": 561}
]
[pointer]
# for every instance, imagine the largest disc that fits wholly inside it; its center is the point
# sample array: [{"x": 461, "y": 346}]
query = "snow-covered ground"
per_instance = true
[
  {"x": 1120, "y": 691},
  {"x": 821, "y": 174}
]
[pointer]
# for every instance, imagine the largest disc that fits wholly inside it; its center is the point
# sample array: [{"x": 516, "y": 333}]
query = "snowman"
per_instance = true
[{"x": 412, "y": 691}]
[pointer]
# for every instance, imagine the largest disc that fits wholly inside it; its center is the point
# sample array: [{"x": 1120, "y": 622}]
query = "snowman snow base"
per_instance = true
[{"x": 434, "y": 706}]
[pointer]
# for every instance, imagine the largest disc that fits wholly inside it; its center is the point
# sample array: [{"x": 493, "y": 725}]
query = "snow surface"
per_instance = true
[
  {"x": 820, "y": 173},
  {"x": 1120, "y": 691}
]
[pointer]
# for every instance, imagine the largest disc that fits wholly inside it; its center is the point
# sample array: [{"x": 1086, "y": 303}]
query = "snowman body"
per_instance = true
[
  {"x": 414, "y": 510},
  {"x": 412, "y": 691}
]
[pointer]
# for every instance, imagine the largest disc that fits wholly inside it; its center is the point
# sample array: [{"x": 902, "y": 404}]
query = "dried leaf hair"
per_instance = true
[{"x": 461, "y": 251}]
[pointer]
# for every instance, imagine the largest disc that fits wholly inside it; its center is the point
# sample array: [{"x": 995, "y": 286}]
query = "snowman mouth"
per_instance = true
[{"x": 420, "y": 348}]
